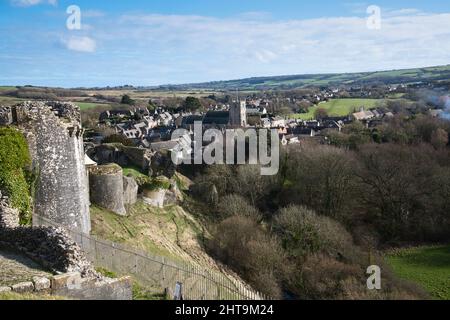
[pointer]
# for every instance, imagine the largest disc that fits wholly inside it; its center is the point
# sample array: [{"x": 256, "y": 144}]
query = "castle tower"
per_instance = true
[
  {"x": 55, "y": 138},
  {"x": 238, "y": 114}
]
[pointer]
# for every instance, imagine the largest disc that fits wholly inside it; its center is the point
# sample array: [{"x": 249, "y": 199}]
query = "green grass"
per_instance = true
[
  {"x": 340, "y": 107},
  {"x": 106, "y": 273},
  {"x": 135, "y": 172},
  {"x": 142, "y": 293},
  {"x": 9, "y": 101},
  {"x": 6, "y": 88},
  {"x": 90, "y": 105},
  {"x": 426, "y": 266},
  {"x": 130, "y": 230}
]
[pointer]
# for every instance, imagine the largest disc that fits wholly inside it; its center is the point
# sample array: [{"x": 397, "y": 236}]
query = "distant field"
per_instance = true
[
  {"x": 8, "y": 101},
  {"x": 427, "y": 266},
  {"x": 6, "y": 88},
  {"x": 340, "y": 107},
  {"x": 148, "y": 94},
  {"x": 89, "y": 105}
]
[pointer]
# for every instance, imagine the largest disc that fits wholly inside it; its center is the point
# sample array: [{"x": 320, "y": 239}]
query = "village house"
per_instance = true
[
  {"x": 181, "y": 147},
  {"x": 134, "y": 129},
  {"x": 163, "y": 118},
  {"x": 363, "y": 115},
  {"x": 115, "y": 115},
  {"x": 120, "y": 115},
  {"x": 277, "y": 122}
]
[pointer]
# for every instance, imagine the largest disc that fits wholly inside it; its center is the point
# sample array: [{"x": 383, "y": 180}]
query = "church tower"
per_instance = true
[{"x": 238, "y": 114}]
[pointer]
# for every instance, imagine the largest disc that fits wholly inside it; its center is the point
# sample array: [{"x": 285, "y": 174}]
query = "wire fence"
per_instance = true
[{"x": 159, "y": 272}]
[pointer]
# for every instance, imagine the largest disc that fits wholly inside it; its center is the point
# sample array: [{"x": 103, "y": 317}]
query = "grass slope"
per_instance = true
[
  {"x": 340, "y": 107},
  {"x": 427, "y": 266},
  {"x": 168, "y": 232}
]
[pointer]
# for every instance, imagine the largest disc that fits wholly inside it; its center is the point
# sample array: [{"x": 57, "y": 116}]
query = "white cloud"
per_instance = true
[
  {"x": 241, "y": 47},
  {"x": 81, "y": 44},
  {"x": 29, "y": 3}
]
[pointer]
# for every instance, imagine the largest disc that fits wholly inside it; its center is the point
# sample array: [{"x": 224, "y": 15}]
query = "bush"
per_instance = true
[
  {"x": 324, "y": 278},
  {"x": 192, "y": 104},
  {"x": 127, "y": 100},
  {"x": 304, "y": 232},
  {"x": 14, "y": 168},
  {"x": 235, "y": 205},
  {"x": 243, "y": 245},
  {"x": 157, "y": 183}
]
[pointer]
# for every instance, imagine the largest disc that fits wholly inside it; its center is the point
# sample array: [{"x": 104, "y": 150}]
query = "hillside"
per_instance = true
[
  {"x": 170, "y": 232},
  {"x": 9, "y": 94},
  {"x": 296, "y": 81}
]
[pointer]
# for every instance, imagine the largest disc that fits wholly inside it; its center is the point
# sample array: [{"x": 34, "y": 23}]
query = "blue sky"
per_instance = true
[{"x": 179, "y": 41}]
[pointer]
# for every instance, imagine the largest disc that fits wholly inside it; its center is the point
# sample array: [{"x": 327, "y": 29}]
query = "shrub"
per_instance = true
[
  {"x": 14, "y": 165},
  {"x": 304, "y": 232},
  {"x": 157, "y": 183},
  {"x": 243, "y": 245},
  {"x": 236, "y": 205},
  {"x": 127, "y": 100},
  {"x": 324, "y": 278}
]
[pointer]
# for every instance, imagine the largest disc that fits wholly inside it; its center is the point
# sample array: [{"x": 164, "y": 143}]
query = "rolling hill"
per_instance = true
[{"x": 297, "y": 81}]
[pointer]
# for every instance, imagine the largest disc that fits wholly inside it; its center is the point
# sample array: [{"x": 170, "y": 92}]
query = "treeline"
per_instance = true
[
  {"x": 39, "y": 93},
  {"x": 311, "y": 231}
]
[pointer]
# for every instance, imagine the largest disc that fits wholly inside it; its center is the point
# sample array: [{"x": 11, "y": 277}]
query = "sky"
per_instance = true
[{"x": 155, "y": 42}]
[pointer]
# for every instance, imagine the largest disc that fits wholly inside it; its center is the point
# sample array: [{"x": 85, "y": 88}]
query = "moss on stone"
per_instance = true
[{"x": 157, "y": 184}]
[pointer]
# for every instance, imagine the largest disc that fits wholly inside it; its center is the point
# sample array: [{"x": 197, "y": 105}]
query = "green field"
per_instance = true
[
  {"x": 6, "y": 88},
  {"x": 340, "y": 107},
  {"x": 9, "y": 101},
  {"x": 90, "y": 105},
  {"x": 426, "y": 266}
]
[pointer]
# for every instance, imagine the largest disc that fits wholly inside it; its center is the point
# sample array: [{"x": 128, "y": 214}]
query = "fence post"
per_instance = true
[{"x": 163, "y": 271}]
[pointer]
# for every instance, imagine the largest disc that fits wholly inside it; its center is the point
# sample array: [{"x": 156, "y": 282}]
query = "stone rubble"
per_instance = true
[
  {"x": 5, "y": 289},
  {"x": 23, "y": 287},
  {"x": 41, "y": 284},
  {"x": 48, "y": 246}
]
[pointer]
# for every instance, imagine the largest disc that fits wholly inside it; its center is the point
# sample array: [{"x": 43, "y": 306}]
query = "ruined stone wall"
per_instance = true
[
  {"x": 122, "y": 155},
  {"x": 108, "y": 289},
  {"x": 5, "y": 116},
  {"x": 130, "y": 190},
  {"x": 106, "y": 187},
  {"x": 50, "y": 247},
  {"x": 54, "y": 134}
]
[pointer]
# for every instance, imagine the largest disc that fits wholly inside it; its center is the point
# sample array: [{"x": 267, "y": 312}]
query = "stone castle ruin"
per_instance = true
[
  {"x": 106, "y": 183},
  {"x": 55, "y": 138}
]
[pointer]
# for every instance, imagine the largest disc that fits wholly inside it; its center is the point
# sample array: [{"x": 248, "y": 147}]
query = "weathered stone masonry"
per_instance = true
[{"x": 54, "y": 134}]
